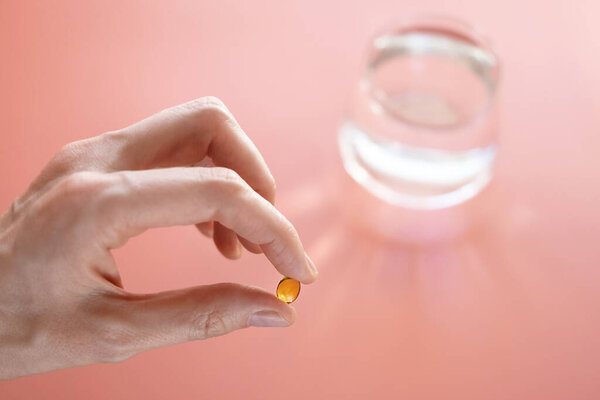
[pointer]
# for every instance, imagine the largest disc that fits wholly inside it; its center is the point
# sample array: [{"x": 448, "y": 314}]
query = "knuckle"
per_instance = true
[
  {"x": 71, "y": 154},
  {"x": 110, "y": 202},
  {"x": 209, "y": 111},
  {"x": 116, "y": 186},
  {"x": 84, "y": 184},
  {"x": 91, "y": 190},
  {"x": 80, "y": 184},
  {"x": 112, "y": 139},
  {"x": 285, "y": 233},
  {"x": 69, "y": 150},
  {"x": 211, "y": 101},
  {"x": 227, "y": 180},
  {"x": 203, "y": 114},
  {"x": 65, "y": 159},
  {"x": 207, "y": 105},
  {"x": 67, "y": 203},
  {"x": 208, "y": 324},
  {"x": 227, "y": 175},
  {"x": 289, "y": 229}
]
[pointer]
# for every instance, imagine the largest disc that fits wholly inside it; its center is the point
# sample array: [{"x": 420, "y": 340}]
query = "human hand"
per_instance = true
[{"x": 61, "y": 299}]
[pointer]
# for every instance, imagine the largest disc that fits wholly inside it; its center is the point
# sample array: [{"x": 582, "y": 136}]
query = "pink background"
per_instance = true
[{"x": 508, "y": 309}]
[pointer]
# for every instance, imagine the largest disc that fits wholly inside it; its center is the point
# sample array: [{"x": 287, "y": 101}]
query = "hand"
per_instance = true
[{"x": 61, "y": 299}]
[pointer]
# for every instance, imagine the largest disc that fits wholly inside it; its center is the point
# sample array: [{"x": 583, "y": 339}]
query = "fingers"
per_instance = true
[
  {"x": 143, "y": 322},
  {"x": 200, "y": 132},
  {"x": 248, "y": 245},
  {"x": 204, "y": 132},
  {"x": 185, "y": 135},
  {"x": 140, "y": 200},
  {"x": 206, "y": 228},
  {"x": 227, "y": 242}
]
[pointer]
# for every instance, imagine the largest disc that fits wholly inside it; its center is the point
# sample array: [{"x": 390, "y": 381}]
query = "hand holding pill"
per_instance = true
[{"x": 62, "y": 303}]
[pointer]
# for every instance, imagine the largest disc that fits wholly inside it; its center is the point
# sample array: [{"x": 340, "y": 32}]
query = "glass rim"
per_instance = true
[{"x": 447, "y": 26}]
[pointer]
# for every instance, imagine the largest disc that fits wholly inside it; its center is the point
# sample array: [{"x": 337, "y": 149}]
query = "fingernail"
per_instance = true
[
  {"x": 267, "y": 318},
  {"x": 311, "y": 265}
]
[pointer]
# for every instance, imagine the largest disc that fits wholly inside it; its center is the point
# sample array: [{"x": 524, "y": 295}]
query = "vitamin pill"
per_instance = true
[{"x": 288, "y": 290}]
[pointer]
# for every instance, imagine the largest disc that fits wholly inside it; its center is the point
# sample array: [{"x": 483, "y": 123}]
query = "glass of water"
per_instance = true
[{"x": 421, "y": 129}]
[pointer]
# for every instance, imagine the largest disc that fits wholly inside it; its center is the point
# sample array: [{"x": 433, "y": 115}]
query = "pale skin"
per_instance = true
[{"x": 62, "y": 303}]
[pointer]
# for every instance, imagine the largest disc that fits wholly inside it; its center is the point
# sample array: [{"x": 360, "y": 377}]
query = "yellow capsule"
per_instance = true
[{"x": 288, "y": 290}]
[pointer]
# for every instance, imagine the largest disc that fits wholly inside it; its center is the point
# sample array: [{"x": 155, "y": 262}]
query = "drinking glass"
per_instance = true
[{"x": 420, "y": 131}]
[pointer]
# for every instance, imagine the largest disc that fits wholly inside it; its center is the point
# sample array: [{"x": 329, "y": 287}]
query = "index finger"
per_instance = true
[
  {"x": 186, "y": 134},
  {"x": 133, "y": 201}
]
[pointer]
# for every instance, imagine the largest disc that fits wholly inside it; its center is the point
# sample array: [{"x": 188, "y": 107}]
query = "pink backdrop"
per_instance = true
[{"x": 508, "y": 310}]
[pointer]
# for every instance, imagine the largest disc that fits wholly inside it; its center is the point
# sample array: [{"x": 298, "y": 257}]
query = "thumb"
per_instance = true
[{"x": 167, "y": 318}]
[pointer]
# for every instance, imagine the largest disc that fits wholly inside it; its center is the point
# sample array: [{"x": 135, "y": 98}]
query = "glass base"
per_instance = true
[{"x": 413, "y": 177}]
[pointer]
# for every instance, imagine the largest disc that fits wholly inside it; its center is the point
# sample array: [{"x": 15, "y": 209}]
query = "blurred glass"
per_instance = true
[{"x": 420, "y": 132}]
